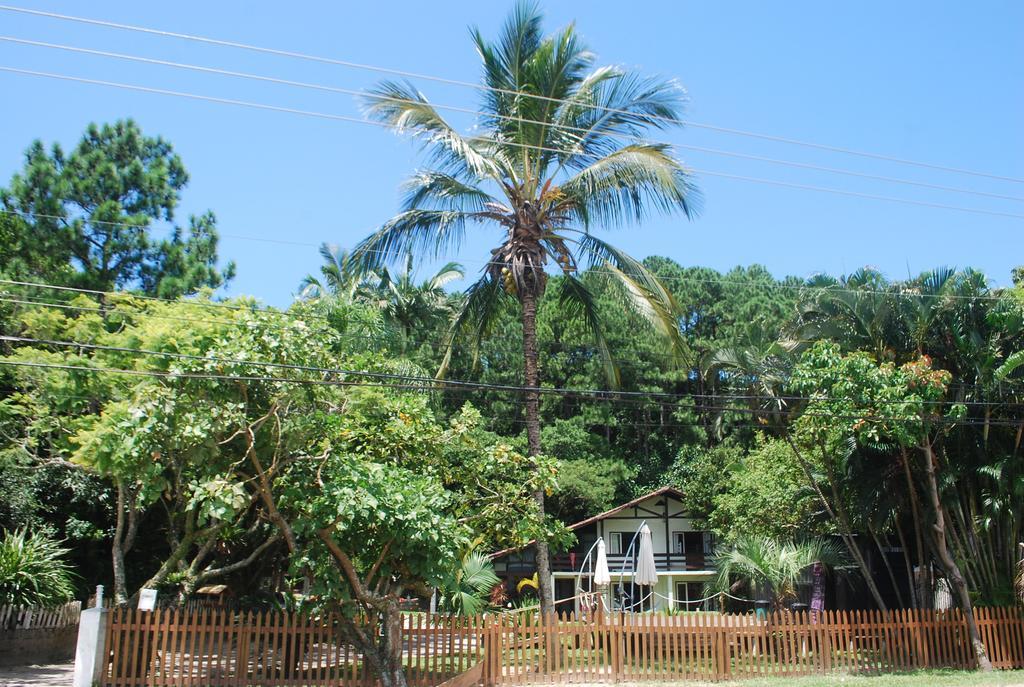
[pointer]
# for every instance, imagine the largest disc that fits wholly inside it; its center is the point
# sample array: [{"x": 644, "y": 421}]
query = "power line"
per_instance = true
[
  {"x": 434, "y": 385},
  {"x": 344, "y": 118},
  {"x": 476, "y": 86},
  {"x": 602, "y": 395},
  {"x": 825, "y": 288},
  {"x": 255, "y": 310},
  {"x": 478, "y": 113}
]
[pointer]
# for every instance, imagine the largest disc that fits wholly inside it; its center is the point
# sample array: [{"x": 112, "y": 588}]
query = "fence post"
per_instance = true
[
  {"x": 724, "y": 657},
  {"x": 91, "y": 650}
]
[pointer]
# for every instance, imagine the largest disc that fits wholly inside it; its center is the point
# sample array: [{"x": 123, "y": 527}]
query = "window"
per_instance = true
[
  {"x": 678, "y": 542},
  {"x": 618, "y": 542},
  {"x": 690, "y": 596},
  {"x": 709, "y": 543}
]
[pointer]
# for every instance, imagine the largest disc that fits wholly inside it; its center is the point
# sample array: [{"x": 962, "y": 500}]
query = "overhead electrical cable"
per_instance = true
[
  {"x": 428, "y": 382},
  {"x": 478, "y": 113},
  {"x": 476, "y": 86},
  {"x": 437, "y": 385},
  {"x": 356, "y": 120}
]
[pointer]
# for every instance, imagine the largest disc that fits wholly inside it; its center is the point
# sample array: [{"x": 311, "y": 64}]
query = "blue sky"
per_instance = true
[{"x": 939, "y": 82}]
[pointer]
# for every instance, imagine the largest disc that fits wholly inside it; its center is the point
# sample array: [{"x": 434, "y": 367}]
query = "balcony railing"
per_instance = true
[{"x": 573, "y": 561}]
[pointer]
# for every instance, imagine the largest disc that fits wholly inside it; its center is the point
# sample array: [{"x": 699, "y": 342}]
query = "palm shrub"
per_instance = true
[
  {"x": 771, "y": 568},
  {"x": 34, "y": 570},
  {"x": 468, "y": 589}
]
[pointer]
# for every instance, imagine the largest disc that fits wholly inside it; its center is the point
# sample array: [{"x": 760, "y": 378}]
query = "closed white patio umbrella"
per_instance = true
[
  {"x": 646, "y": 573},
  {"x": 602, "y": 578}
]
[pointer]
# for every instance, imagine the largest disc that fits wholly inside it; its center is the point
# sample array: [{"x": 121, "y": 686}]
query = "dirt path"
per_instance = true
[{"x": 59, "y": 675}]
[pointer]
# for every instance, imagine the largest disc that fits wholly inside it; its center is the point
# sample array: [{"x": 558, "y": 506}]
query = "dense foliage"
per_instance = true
[{"x": 376, "y": 439}]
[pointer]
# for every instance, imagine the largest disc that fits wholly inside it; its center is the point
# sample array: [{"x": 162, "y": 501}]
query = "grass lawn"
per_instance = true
[{"x": 923, "y": 678}]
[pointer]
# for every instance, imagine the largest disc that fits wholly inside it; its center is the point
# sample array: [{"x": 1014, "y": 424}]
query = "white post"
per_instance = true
[{"x": 91, "y": 651}]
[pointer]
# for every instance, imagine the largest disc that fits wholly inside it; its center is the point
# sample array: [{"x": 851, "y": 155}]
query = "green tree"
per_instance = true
[
  {"x": 764, "y": 495},
  {"x": 545, "y": 166},
  {"x": 878, "y": 403},
  {"x": 85, "y": 218},
  {"x": 467, "y": 589}
]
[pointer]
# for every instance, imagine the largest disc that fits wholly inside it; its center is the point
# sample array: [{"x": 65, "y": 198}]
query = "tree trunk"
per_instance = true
[
  {"x": 528, "y": 298},
  {"x": 126, "y": 527},
  {"x": 911, "y": 582},
  {"x": 924, "y": 591},
  {"x": 887, "y": 564},
  {"x": 956, "y": 579},
  {"x": 837, "y": 512}
]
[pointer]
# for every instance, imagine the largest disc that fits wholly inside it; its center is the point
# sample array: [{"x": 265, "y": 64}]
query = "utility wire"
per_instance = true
[
  {"x": 478, "y": 113},
  {"x": 428, "y": 382},
  {"x": 443, "y": 341},
  {"x": 433, "y": 386},
  {"x": 356, "y": 120},
  {"x": 479, "y": 87},
  {"x": 669, "y": 279}
]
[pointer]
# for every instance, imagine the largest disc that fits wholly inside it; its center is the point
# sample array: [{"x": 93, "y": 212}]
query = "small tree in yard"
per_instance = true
[
  {"x": 855, "y": 396},
  {"x": 389, "y": 507},
  {"x": 771, "y": 567}
]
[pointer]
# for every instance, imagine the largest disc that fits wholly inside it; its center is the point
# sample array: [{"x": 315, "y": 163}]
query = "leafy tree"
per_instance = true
[
  {"x": 545, "y": 170},
  {"x": 84, "y": 218},
  {"x": 34, "y": 571},
  {"x": 765, "y": 496},
  {"x": 400, "y": 510},
  {"x": 886, "y": 403}
]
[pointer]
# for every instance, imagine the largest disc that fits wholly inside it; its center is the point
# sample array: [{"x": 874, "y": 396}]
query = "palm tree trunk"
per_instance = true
[
  {"x": 837, "y": 512},
  {"x": 924, "y": 583},
  {"x": 911, "y": 583},
  {"x": 956, "y": 578},
  {"x": 887, "y": 564},
  {"x": 528, "y": 298}
]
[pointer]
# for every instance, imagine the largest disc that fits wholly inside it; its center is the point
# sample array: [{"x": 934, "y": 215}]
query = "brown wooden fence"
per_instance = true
[
  {"x": 707, "y": 646},
  {"x": 219, "y": 647}
]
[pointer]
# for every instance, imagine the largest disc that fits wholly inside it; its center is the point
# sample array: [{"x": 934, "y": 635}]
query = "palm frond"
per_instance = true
[
  {"x": 482, "y": 303},
  {"x": 626, "y": 184},
  {"x": 1013, "y": 361},
  {"x": 406, "y": 110},
  {"x": 611, "y": 103},
  {"x": 642, "y": 290},
  {"x": 424, "y": 232},
  {"x": 434, "y": 190},
  {"x": 450, "y": 272}
]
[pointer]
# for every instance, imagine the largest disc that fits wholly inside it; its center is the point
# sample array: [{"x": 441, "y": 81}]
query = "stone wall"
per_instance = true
[{"x": 38, "y": 645}]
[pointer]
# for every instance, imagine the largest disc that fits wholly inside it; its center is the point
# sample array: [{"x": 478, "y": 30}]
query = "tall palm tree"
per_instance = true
[{"x": 545, "y": 166}]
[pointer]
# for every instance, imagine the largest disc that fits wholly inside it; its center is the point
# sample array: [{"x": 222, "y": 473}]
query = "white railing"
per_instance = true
[{"x": 25, "y": 618}]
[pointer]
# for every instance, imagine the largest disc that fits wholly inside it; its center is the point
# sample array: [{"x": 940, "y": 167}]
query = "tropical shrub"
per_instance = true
[{"x": 34, "y": 571}]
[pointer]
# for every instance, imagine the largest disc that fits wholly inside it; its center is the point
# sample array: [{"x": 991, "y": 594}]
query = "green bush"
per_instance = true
[{"x": 34, "y": 571}]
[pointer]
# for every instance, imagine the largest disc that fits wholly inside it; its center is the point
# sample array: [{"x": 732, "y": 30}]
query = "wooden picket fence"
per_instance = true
[
  {"x": 223, "y": 647},
  {"x": 711, "y": 646},
  {"x": 26, "y": 618},
  {"x": 220, "y": 647}
]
